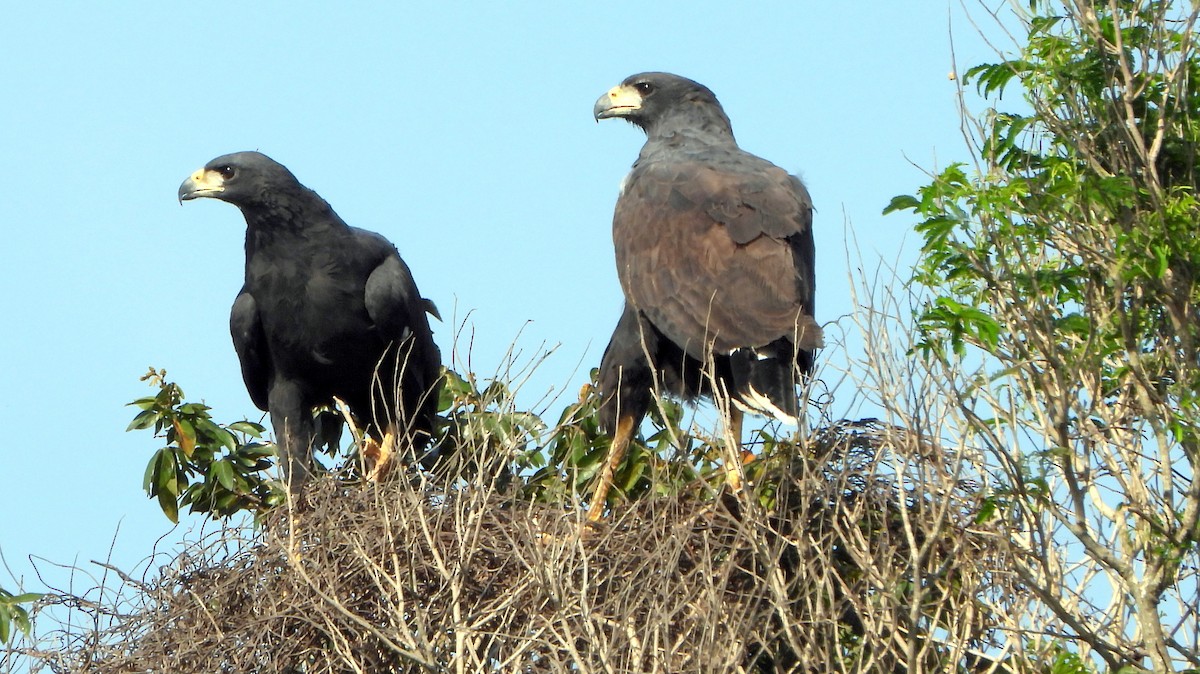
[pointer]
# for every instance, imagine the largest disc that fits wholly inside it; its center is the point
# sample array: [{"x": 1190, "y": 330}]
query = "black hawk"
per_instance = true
[
  {"x": 327, "y": 310},
  {"x": 714, "y": 251}
]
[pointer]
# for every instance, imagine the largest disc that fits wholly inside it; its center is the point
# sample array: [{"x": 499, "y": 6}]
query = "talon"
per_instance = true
[{"x": 378, "y": 456}]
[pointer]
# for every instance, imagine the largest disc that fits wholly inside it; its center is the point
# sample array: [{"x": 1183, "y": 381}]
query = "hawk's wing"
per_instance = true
[{"x": 718, "y": 250}]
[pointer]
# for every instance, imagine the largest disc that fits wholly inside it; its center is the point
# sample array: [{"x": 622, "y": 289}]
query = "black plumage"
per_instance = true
[
  {"x": 326, "y": 310},
  {"x": 715, "y": 255}
]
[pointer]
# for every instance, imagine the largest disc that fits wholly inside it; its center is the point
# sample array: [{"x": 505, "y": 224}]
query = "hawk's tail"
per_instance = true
[{"x": 765, "y": 379}]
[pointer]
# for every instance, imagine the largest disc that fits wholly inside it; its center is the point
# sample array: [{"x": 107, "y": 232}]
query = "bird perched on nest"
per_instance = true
[
  {"x": 715, "y": 256},
  {"x": 327, "y": 310}
]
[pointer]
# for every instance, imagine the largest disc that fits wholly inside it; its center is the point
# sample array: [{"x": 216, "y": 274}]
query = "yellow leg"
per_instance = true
[
  {"x": 734, "y": 475},
  {"x": 616, "y": 453}
]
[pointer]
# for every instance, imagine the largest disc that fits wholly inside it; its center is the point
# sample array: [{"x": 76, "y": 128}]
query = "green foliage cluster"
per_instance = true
[
  {"x": 13, "y": 614},
  {"x": 1083, "y": 218},
  {"x": 210, "y": 467},
  {"x": 1086, "y": 210},
  {"x": 221, "y": 469},
  {"x": 667, "y": 461},
  {"x": 484, "y": 429}
]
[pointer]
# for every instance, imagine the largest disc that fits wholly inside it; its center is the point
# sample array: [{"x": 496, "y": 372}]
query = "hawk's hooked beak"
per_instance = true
[
  {"x": 620, "y": 101},
  {"x": 202, "y": 183}
]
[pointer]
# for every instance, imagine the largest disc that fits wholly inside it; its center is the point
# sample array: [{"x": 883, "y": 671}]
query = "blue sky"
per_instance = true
[{"x": 461, "y": 131}]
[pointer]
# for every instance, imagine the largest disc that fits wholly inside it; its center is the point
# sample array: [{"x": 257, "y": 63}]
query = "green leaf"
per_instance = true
[
  {"x": 21, "y": 620},
  {"x": 151, "y": 471},
  {"x": 986, "y": 510},
  {"x": 1068, "y": 663},
  {"x": 185, "y": 435},
  {"x": 224, "y": 474},
  {"x": 22, "y": 598},
  {"x": 937, "y": 231},
  {"x": 278, "y": 496},
  {"x": 11, "y": 613},
  {"x": 194, "y": 409},
  {"x": 144, "y": 403},
  {"x": 144, "y": 419},
  {"x": 257, "y": 450},
  {"x": 214, "y": 434},
  {"x": 903, "y": 202},
  {"x": 1075, "y": 323},
  {"x": 167, "y": 479},
  {"x": 169, "y": 506},
  {"x": 247, "y": 428},
  {"x": 225, "y": 502}
]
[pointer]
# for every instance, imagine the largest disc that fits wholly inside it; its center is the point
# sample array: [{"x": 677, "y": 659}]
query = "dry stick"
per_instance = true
[{"x": 298, "y": 566}]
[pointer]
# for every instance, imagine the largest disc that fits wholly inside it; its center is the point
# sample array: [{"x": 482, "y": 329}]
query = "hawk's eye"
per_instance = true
[
  {"x": 225, "y": 171},
  {"x": 644, "y": 88}
]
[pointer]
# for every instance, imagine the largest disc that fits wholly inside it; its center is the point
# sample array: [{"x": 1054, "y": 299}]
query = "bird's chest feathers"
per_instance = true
[
  {"x": 298, "y": 294},
  {"x": 665, "y": 222},
  {"x": 305, "y": 284},
  {"x": 679, "y": 233}
]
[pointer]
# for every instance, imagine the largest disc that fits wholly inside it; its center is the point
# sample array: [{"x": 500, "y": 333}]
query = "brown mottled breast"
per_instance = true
[{"x": 715, "y": 252}]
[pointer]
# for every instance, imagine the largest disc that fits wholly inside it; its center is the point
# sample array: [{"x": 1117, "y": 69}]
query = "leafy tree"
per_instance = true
[{"x": 1061, "y": 277}]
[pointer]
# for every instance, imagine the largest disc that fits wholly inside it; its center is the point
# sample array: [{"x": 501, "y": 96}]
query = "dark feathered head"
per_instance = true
[
  {"x": 660, "y": 103},
  {"x": 244, "y": 179}
]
